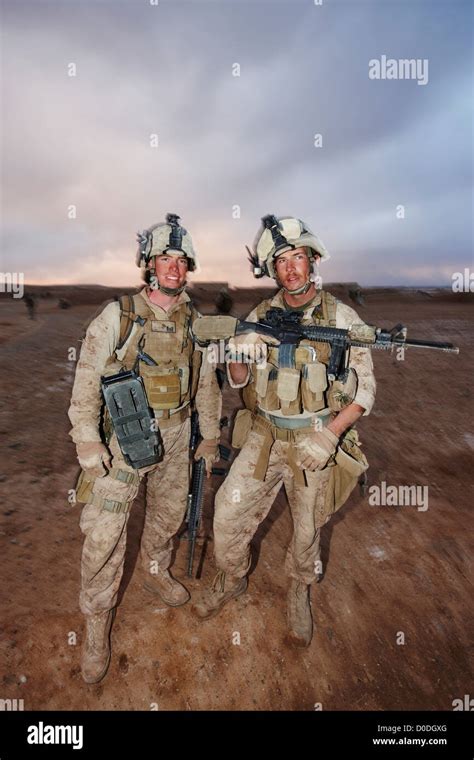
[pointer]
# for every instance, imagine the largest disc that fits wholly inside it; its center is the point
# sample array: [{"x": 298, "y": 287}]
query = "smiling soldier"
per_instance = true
[{"x": 150, "y": 336}]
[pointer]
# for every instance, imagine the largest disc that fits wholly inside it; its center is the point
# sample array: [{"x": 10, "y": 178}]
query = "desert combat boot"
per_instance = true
[
  {"x": 300, "y": 622},
  {"x": 96, "y": 648},
  {"x": 171, "y": 591},
  {"x": 223, "y": 589}
]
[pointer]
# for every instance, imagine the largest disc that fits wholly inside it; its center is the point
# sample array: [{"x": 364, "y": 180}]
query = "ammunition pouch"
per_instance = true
[
  {"x": 162, "y": 386},
  {"x": 350, "y": 463},
  {"x": 166, "y": 387},
  {"x": 264, "y": 389},
  {"x": 114, "y": 492},
  {"x": 133, "y": 422},
  {"x": 296, "y": 389},
  {"x": 342, "y": 394},
  {"x": 287, "y": 390},
  {"x": 313, "y": 384}
]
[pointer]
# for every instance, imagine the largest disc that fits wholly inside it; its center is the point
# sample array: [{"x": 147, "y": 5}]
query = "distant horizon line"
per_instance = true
[{"x": 230, "y": 286}]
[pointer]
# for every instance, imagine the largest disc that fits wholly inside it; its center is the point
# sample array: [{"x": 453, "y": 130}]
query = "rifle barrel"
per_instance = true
[{"x": 431, "y": 344}]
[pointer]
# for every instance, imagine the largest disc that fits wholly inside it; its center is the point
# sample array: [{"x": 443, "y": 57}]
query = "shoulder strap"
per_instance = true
[
  {"x": 193, "y": 312},
  {"x": 329, "y": 305},
  {"x": 262, "y": 308},
  {"x": 128, "y": 316},
  {"x": 190, "y": 316}
]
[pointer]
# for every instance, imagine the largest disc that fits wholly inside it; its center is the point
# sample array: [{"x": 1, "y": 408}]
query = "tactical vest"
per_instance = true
[
  {"x": 172, "y": 381},
  {"x": 301, "y": 384}
]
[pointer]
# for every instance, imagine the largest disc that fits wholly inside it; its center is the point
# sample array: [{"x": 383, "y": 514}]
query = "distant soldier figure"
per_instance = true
[
  {"x": 224, "y": 302},
  {"x": 355, "y": 294},
  {"x": 30, "y": 303},
  {"x": 150, "y": 333}
]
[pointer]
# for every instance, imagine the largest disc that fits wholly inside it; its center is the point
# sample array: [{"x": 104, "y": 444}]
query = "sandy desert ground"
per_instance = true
[{"x": 389, "y": 570}]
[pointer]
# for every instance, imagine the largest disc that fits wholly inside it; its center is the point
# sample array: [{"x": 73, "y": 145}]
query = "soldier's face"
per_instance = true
[
  {"x": 171, "y": 270},
  {"x": 293, "y": 268}
]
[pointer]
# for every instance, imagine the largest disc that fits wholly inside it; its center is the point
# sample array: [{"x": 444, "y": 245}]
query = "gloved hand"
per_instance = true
[
  {"x": 209, "y": 451},
  {"x": 315, "y": 449},
  {"x": 94, "y": 458},
  {"x": 251, "y": 346}
]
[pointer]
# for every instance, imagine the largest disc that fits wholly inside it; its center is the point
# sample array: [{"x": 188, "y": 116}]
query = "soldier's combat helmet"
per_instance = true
[
  {"x": 165, "y": 238},
  {"x": 277, "y": 235}
]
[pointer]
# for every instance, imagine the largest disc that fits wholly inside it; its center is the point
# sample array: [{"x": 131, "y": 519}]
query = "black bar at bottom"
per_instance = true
[{"x": 361, "y": 734}]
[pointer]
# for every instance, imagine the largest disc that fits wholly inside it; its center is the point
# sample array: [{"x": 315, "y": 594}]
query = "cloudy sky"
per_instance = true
[{"x": 227, "y": 141}]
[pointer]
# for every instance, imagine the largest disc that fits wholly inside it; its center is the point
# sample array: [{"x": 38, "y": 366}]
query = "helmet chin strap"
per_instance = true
[
  {"x": 163, "y": 288},
  {"x": 299, "y": 291}
]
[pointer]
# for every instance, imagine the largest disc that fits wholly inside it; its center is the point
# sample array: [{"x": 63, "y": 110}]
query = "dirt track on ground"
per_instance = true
[{"x": 389, "y": 570}]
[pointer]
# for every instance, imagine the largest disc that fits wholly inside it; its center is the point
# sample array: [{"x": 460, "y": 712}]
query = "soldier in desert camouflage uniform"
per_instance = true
[
  {"x": 157, "y": 321},
  {"x": 296, "y": 430}
]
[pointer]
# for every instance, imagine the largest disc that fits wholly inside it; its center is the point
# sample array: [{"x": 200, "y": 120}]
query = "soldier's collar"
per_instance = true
[
  {"x": 279, "y": 301},
  {"x": 182, "y": 298}
]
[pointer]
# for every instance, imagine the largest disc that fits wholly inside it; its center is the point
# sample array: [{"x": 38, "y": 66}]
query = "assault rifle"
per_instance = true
[
  {"x": 196, "y": 491},
  {"x": 286, "y": 327}
]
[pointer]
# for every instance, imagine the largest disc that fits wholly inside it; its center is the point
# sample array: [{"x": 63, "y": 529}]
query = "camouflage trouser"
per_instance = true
[
  {"x": 243, "y": 502},
  {"x": 106, "y": 532}
]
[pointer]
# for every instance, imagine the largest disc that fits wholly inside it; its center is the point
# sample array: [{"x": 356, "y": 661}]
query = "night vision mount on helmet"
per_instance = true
[
  {"x": 165, "y": 238},
  {"x": 278, "y": 235}
]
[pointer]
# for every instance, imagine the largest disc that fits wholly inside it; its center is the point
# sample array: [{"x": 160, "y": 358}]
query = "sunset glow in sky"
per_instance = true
[{"x": 227, "y": 141}]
